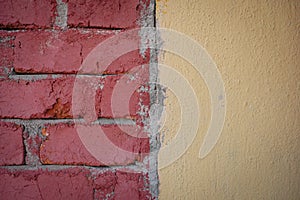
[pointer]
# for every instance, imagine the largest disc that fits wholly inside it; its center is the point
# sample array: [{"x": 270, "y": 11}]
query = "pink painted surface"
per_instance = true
[
  {"x": 106, "y": 13},
  {"x": 24, "y": 13},
  {"x": 64, "y": 52},
  {"x": 11, "y": 144},
  {"x": 72, "y": 183},
  {"x": 52, "y": 97},
  {"x": 64, "y": 146}
]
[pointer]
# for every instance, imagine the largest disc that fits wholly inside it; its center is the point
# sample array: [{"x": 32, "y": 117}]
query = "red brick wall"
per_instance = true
[{"x": 66, "y": 132}]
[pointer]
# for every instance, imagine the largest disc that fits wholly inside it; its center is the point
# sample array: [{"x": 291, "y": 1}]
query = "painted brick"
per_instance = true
[
  {"x": 72, "y": 183},
  {"x": 105, "y": 185},
  {"x": 42, "y": 184},
  {"x": 131, "y": 185},
  {"x": 122, "y": 185},
  {"x": 135, "y": 190},
  {"x": 127, "y": 90},
  {"x": 11, "y": 144},
  {"x": 39, "y": 65},
  {"x": 47, "y": 98},
  {"x": 64, "y": 52},
  {"x": 84, "y": 145},
  {"x": 52, "y": 97},
  {"x": 122, "y": 188},
  {"x": 24, "y": 13},
  {"x": 106, "y": 13}
]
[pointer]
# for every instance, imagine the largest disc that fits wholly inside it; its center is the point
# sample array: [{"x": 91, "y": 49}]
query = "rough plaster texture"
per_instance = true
[{"x": 255, "y": 45}]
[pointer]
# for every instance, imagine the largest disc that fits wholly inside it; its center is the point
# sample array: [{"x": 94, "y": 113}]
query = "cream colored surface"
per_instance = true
[{"x": 256, "y": 46}]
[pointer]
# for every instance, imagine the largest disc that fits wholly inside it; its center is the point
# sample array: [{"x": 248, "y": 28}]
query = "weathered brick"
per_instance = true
[
  {"x": 52, "y": 73},
  {"x": 64, "y": 52},
  {"x": 43, "y": 184},
  {"x": 60, "y": 97},
  {"x": 122, "y": 185},
  {"x": 132, "y": 91},
  {"x": 130, "y": 186},
  {"x": 93, "y": 145},
  {"x": 104, "y": 185},
  {"x": 11, "y": 144},
  {"x": 106, "y": 13},
  {"x": 73, "y": 183},
  {"x": 24, "y": 13},
  {"x": 46, "y": 98}
]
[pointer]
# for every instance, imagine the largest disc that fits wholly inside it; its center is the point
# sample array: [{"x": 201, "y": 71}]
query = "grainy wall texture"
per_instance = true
[
  {"x": 255, "y": 44},
  {"x": 43, "y": 45}
]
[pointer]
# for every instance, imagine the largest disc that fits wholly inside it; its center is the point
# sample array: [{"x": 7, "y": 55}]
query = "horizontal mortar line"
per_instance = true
[
  {"x": 99, "y": 121},
  {"x": 137, "y": 168},
  {"x": 56, "y": 75},
  {"x": 80, "y": 28},
  {"x": 62, "y": 74}
]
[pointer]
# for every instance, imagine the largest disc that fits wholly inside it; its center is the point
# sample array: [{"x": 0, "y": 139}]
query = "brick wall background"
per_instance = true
[{"x": 42, "y": 156}]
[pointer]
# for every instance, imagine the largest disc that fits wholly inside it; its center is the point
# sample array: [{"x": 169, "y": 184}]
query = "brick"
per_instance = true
[
  {"x": 24, "y": 13},
  {"x": 127, "y": 90},
  {"x": 123, "y": 185},
  {"x": 105, "y": 185},
  {"x": 106, "y": 13},
  {"x": 46, "y": 98},
  {"x": 65, "y": 51},
  {"x": 74, "y": 73},
  {"x": 62, "y": 98},
  {"x": 11, "y": 144},
  {"x": 130, "y": 186},
  {"x": 42, "y": 184},
  {"x": 73, "y": 183},
  {"x": 93, "y": 145}
]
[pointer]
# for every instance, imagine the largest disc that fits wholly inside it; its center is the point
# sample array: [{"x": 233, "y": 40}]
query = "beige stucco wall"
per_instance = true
[{"x": 256, "y": 46}]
